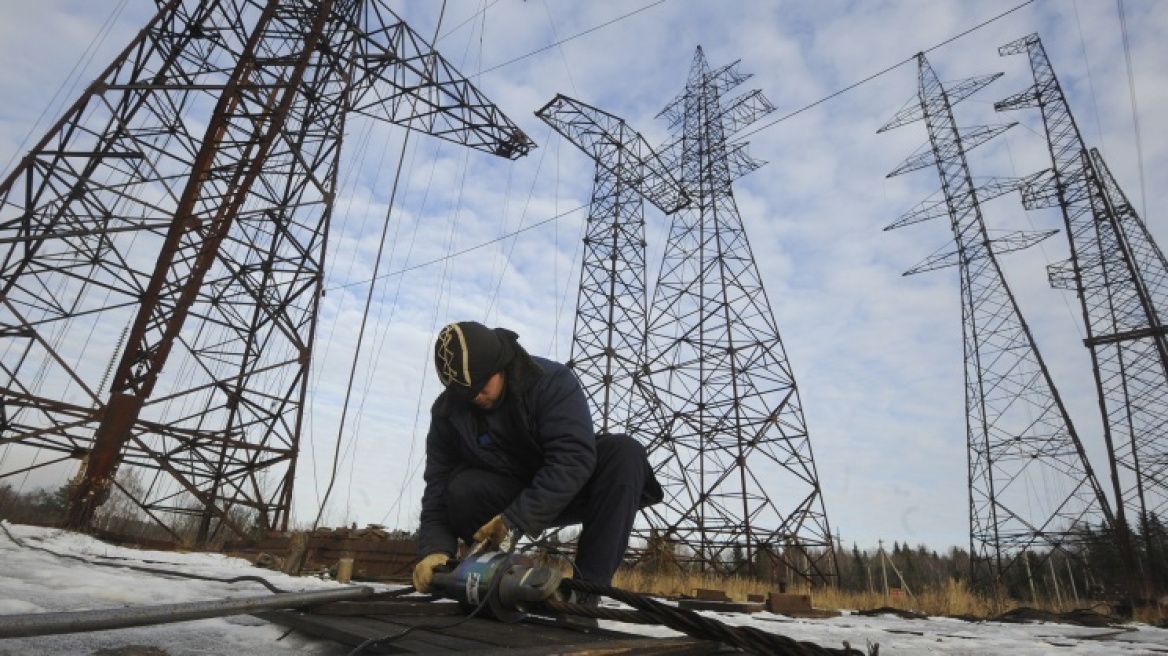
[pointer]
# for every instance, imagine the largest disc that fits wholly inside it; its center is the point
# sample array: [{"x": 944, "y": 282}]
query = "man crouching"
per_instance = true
[{"x": 511, "y": 447}]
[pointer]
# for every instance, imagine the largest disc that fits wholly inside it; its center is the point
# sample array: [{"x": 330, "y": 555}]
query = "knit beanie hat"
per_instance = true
[{"x": 467, "y": 354}]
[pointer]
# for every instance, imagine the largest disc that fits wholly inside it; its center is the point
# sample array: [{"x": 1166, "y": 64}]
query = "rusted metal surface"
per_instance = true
[
  {"x": 435, "y": 634},
  {"x": 376, "y": 556},
  {"x": 720, "y": 606},
  {"x": 179, "y": 211}
]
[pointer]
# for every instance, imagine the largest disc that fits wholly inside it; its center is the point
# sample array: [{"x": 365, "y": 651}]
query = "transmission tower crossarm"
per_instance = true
[
  {"x": 933, "y": 209},
  {"x": 403, "y": 79},
  {"x": 912, "y": 111},
  {"x": 602, "y": 136},
  {"x": 720, "y": 80},
  {"x": 745, "y": 110},
  {"x": 971, "y": 138}
]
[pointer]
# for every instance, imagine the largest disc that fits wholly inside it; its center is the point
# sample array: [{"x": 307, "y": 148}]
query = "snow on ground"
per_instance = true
[{"x": 33, "y": 581}]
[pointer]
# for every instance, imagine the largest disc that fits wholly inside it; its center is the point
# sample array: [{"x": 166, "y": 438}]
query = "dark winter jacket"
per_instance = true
[{"x": 541, "y": 434}]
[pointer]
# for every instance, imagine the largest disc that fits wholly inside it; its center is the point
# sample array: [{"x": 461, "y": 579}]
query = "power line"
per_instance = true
[
  {"x": 574, "y": 36},
  {"x": 369, "y": 296},
  {"x": 1131, "y": 87},
  {"x": 887, "y": 70},
  {"x": 743, "y": 135},
  {"x": 459, "y": 253}
]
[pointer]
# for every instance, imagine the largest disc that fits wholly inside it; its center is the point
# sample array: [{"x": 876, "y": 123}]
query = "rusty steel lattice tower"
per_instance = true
[
  {"x": 1120, "y": 276},
  {"x": 1030, "y": 484},
  {"x": 734, "y": 437},
  {"x": 164, "y": 245}
]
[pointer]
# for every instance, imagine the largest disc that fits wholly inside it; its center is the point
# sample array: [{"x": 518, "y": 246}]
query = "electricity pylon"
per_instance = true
[
  {"x": 735, "y": 434},
  {"x": 609, "y": 336},
  {"x": 1030, "y": 484},
  {"x": 173, "y": 223},
  {"x": 608, "y": 339},
  {"x": 1120, "y": 277}
]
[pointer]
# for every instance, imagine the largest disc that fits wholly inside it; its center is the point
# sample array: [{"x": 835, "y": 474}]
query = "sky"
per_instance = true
[
  {"x": 877, "y": 356},
  {"x": 75, "y": 575}
]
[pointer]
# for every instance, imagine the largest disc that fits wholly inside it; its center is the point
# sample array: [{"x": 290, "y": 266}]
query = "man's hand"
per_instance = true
[
  {"x": 424, "y": 571},
  {"x": 493, "y": 535}
]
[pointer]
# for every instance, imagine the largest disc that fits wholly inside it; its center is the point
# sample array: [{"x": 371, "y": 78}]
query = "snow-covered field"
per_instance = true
[{"x": 33, "y": 581}]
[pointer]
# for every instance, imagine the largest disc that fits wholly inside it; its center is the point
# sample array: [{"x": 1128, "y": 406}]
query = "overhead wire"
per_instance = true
[
  {"x": 556, "y": 36},
  {"x": 364, "y": 138},
  {"x": 323, "y": 344},
  {"x": 574, "y": 36},
  {"x": 464, "y": 251},
  {"x": 568, "y": 283},
  {"x": 411, "y": 467},
  {"x": 882, "y": 72},
  {"x": 1090, "y": 79},
  {"x": 480, "y": 13},
  {"x": 1131, "y": 87},
  {"x": 82, "y": 62},
  {"x": 501, "y": 259},
  {"x": 515, "y": 240},
  {"x": 373, "y": 368},
  {"x": 741, "y": 135},
  {"x": 369, "y": 299},
  {"x": 554, "y": 347}
]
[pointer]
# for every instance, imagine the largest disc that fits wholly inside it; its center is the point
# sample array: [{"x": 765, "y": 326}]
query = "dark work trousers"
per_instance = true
[{"x": 606, "y": 506}]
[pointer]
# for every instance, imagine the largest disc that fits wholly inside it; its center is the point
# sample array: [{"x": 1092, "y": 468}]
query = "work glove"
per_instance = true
[
  {"x": 494, "y": 535},
  {"x": 424, "y": 571}
]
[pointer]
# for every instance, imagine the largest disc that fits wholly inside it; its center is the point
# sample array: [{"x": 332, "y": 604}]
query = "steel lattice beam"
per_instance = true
[
  {"x": 609, "y": 336},
  {"x": 1120, "y": 277},
  {"x": 163, "y": 246},
  {"x": 735, "y": 435},
  {"x": 1019, "y": 435}
]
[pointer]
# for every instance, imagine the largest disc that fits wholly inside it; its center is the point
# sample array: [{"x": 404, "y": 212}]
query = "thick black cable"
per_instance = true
[
  {"x": 557, "y": 607},
  {"x": 755, "y": 641},
  {"x": 149, "y": 570}
]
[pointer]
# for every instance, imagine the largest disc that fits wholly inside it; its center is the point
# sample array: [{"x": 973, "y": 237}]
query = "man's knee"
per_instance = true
[
  {"x": 473, "y": 496},
  {"x": 621, "y": 453}
]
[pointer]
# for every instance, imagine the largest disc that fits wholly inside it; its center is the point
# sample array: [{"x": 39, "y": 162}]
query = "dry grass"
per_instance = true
[
  {"x": 1157, "y": 614},
  {"x": 951, "y": 599},
  {"x": 677, "y": 583}
]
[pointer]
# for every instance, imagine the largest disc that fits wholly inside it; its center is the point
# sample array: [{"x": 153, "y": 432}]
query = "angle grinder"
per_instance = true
[{"x": 510, "y": 583}]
